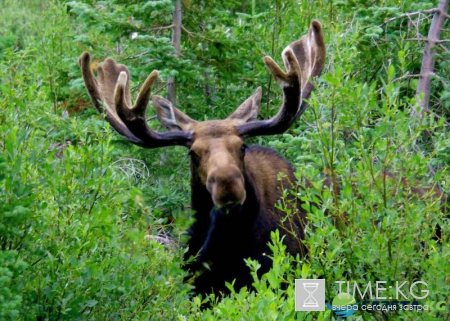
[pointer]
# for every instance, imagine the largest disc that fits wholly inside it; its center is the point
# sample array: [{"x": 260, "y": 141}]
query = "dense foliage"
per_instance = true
[{"x": 78, "y": 204}]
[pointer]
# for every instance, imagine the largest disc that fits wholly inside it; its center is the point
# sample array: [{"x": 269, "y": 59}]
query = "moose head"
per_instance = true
[{"x": 234, "y": 187}]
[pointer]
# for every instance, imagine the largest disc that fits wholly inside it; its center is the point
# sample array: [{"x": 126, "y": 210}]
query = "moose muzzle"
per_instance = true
[{"x": 227, "y": 186}]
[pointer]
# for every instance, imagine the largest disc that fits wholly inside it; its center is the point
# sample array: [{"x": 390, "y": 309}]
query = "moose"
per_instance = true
[{"x": 234, "y": 187}]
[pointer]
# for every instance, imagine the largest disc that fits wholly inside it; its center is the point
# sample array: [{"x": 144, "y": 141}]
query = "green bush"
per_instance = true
[
  {"x": 10, "y": 299},
  {"x": 81, "y": 210}
]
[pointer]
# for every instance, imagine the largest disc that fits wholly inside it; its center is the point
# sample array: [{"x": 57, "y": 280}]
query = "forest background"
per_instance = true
[{"x": 91, "y": 227}]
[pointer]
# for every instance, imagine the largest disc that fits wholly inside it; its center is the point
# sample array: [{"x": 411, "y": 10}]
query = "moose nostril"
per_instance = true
[
  {"x": 231, "y": 199},
  {"x": 226, "y": 187}
]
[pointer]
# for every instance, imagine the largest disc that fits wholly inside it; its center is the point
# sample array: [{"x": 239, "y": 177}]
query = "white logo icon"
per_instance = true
[
  {"x": 310, "y": 301},
  {"x": 309, "y": 295}
]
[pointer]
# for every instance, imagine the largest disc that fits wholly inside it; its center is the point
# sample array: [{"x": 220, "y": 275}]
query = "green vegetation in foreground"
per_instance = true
[{"x": 77, "y": 202}]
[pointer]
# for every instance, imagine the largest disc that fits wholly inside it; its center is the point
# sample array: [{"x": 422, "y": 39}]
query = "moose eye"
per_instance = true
[{"x": 243, "y": 148}]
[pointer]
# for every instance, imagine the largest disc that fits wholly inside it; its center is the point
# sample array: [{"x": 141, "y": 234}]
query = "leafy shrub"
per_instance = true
[
  {"x": 81, "y": 211},
  {"x": 10, "y": 299}
]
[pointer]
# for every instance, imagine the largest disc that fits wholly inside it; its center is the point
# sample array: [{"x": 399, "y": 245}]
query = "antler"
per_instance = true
[
  {"x": 303, "y": 59},
  {"x": 112, "y": 89}
]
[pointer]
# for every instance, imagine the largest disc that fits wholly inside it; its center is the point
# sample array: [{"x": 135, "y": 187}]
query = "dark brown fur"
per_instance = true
[{"x": 222, "y": 239}]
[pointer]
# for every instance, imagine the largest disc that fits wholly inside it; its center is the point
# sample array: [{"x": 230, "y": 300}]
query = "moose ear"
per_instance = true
[
  {"x": 172, "y": 118},
  {"x": 249, "y": 109}
]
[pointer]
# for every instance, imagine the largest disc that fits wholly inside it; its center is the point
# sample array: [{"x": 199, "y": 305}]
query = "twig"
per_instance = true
[
  {"x": 163, "y": 28},
  {"x": 418, "y": 76},
  {"x": 139, "y": 56},
  {"x": 412, "y": 14},
  {"x": 407, "y": 77},
  {"x": 443, "y": 48},
  {"x": 190, "y": 33},
  {"x": 438, "y": 78},
  {"x": 426, "y": 39},
  {"x": 157, "y": 91}
]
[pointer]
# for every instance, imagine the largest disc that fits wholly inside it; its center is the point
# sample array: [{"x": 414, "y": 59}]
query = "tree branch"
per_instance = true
[
  {"x": 427, "y": 68},
  {"x": 190, "y": 33},
  {"x": 419, "y": 76},
  {"x": 163, "y": 28},
  {"x": 427, "y": 39},
  {"x": 412, "y": 14},
  {"x": 407, "y": 77}
]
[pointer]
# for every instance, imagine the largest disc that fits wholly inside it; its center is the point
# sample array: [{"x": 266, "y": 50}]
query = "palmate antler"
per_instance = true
[
  {"x": 113, "y": 90},
  {"x": 303, "y": 59}
]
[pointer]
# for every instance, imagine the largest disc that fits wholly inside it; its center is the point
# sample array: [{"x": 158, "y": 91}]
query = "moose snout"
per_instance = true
[{"x": 227, "y": 187}]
